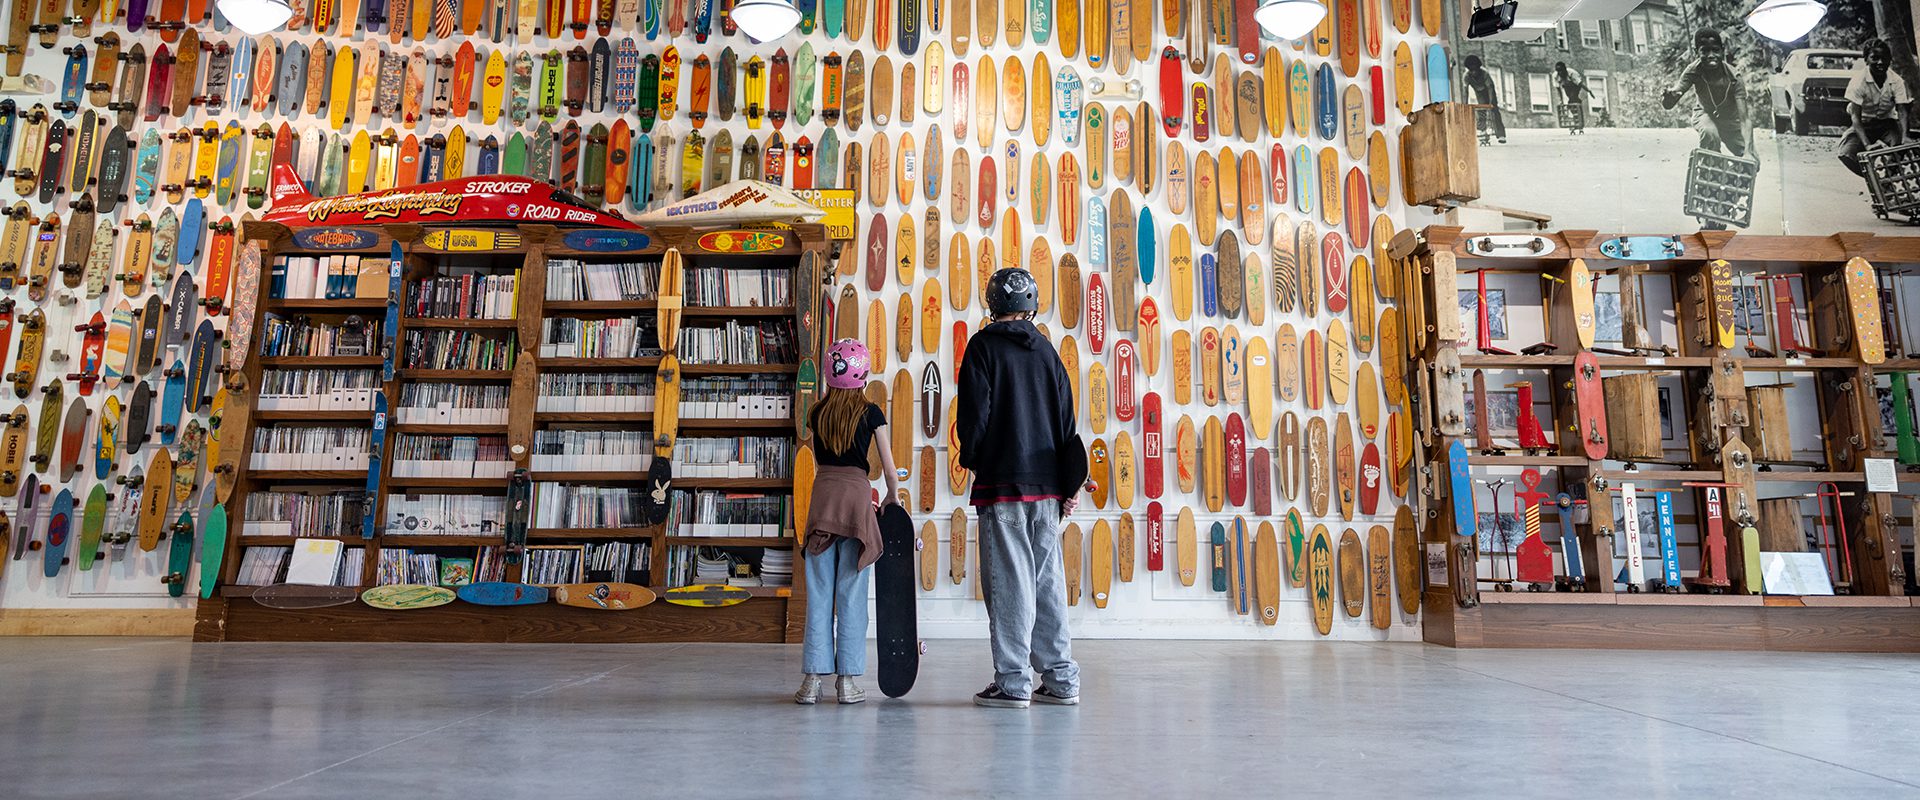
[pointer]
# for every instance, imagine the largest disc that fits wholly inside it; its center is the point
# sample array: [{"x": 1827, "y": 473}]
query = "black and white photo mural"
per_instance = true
[{"x": 1680, "y": 117}]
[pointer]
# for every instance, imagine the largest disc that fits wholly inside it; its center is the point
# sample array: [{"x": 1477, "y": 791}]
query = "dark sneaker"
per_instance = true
[
  {"x": 992, "y": 697},
  {"x": 1045, "y": 695}
]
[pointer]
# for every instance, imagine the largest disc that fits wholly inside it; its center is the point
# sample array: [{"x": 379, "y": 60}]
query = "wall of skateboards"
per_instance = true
[{"x": 1207, "y": 210}]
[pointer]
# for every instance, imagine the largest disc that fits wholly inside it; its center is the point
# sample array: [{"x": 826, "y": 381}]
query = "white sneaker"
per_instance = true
[
  {"x": 849, "y": 693},
  {"x": 809, "y": 690}
]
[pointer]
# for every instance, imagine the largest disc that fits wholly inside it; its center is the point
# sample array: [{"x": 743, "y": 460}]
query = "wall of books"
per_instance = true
[{"x": 1207, "y": 208}]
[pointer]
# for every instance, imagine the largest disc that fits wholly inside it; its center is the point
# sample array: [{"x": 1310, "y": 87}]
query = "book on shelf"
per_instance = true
[
  {"x": 465, "y": 296},
  {"x": 334, "y": 276},
  {"x": 314, "y": 561}
]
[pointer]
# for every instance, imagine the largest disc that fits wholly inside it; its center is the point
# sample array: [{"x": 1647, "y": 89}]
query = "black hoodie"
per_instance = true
[{"x": 1015, "y": 414}]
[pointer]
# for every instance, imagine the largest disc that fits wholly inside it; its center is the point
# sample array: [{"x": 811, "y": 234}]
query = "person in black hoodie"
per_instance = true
[{"x": 1017, "y": 433}]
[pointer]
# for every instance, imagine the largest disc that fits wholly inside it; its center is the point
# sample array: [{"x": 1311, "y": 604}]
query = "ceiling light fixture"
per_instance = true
[
  {"x": 1786, "y": 20},
  {"x": 765, "y": 20},
  {"x": 255, "y": 17},
  {"x": 1287, "y": 19}
]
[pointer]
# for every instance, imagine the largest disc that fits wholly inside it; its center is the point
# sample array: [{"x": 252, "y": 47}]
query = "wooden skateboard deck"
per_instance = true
[
  {"x": 1320, "y": 579},
  {"x": 1863, "y": 303},
  {"x": 1353, "y": 574},
  {"x": 1186, "y": 546}
]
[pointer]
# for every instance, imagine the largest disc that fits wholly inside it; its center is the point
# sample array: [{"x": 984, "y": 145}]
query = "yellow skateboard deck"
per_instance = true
[
  {"x": 804, "y": 469},
  {"x": 1100, "y": 563},
  {"x": 957, "y": 546},
  {"x": 1123, "y": 547},
  {"x": 1366, "y": 400},
  {"x": 1071, "y": 542},
  {"x": 1180, "y": 265},
  {"x": 1580, "y": 292},
  {"x": 1320, "y": 579},
  {"x": 1259, "y": 388},
  {"x": 1182, "y": 366},
  {"x": 1213, "y": 467},
  {"x": 1124, "y": 470},
  {"x": 1070, "y": 360},
  {"x": 1343, "y": 463},
  {"x": 1099, "y": 397},
  {"x": 1099, "y": 472},
  {"x": 1266, "y": 570},
  {"x": 1286, "y": 356},
  {"x": 1185, "y": 548},
  {"x": 1379, "y": 578},
  {"x": 1339, "y": 370},
  {"x": 1863, "y": 301},
  {"x": 1186, "y": 448},
  {"x": 1353, "y": 574},
  {"x": 929, "y": 554}
]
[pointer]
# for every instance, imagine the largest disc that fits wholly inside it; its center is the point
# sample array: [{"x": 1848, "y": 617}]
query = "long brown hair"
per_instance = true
[{"x": 837, "y": 418}]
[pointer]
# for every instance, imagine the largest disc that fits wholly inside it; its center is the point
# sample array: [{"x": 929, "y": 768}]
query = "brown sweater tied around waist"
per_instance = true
[{"x": 843, "y": 507}]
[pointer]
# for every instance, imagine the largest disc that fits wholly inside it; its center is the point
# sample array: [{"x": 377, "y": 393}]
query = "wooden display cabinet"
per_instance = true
[
  {"x": 1871, "y": 612},
  {"x": 774, "y": 614}
]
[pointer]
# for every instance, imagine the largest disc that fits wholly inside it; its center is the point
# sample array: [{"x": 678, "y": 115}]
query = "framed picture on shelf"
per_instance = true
[
  {"x": 1503, "y": 412},
  {"x": 1496, "y": 311}
]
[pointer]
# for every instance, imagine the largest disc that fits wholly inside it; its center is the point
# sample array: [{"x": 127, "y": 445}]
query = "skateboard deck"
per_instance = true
[{"x": 896, "y": 628}]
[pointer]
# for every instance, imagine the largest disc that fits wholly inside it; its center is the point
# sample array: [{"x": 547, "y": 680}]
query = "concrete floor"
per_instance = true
[{"x": 113, "y": 718}]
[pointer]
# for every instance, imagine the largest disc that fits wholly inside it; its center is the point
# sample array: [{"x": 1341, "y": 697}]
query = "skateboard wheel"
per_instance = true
[{"x": 922, "y": 646}]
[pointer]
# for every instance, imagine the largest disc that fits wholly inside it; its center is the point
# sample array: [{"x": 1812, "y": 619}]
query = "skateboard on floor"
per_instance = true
[{"x": 899, "y": 646}]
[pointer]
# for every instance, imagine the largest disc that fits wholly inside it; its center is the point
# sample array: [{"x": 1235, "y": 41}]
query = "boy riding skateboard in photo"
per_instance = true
[
  {"x": 1722, "y": 123},
  {"x": 1017, "y": 433},
  {"x": 1877, "y": 101},
  {"x": 842, "y": 536}
]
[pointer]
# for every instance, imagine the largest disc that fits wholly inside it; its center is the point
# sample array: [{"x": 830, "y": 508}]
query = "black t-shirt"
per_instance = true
[{"x": 862, "y": 439}]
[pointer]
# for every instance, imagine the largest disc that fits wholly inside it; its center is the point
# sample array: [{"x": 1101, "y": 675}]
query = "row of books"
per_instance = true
[
  {"x": 407, "y": 565},
  {"x": 328, "y": 277},
  {"x": 565, "y": 450},
  {"x": 399, "y": 565},
  {"x": 310, "y": 448},
  {"x": 466, "y": 296},
  {"x": 445, "y": 515},
  {"x": 301, "y": 336},
  {"x": 600, "y": 392},
  {"x": 708, "y": 512},
  {"x": 719, "y": 286},
  {"x": 317, "y": 390},
  {"x": 734, "y": 342},
  {"x": 733, "y": 457},
  {"x": 453, "y": 404},
  {"x": 417, "y": 455},
  {"x": 735, "y": 566},
  {"x": 314, "y": 562},
  {"x": 575, "y": 337},
  {"x": 621, "y": 562},
  {"x": 339, "y": 513},
  {"x": 725, "y": 397},
  {"x": 454, "y": 349},
  {"x": 565, "y": 505},
  {"x": 570, "y": 279}
]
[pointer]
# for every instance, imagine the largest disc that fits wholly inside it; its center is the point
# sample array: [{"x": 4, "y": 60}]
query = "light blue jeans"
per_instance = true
[
  {"x": 1026, "y": 597},
  {"x": 836, "y": 640}
]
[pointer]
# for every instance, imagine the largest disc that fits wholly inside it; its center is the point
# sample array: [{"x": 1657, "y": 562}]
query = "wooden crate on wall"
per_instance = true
[
  {"x": 1439, "y": 156},
  {"x": 1633, "y": 416}
]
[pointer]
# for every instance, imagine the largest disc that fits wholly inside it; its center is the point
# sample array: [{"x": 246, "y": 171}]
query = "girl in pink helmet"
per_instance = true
[{"x": 843, "y": 535}]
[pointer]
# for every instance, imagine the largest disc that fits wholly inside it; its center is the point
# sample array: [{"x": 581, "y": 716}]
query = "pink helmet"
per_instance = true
[{"x": 847, "y": 365}]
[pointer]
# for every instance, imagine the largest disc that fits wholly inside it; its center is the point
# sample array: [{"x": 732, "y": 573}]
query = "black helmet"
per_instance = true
[{"x": 1011, "y": 291}]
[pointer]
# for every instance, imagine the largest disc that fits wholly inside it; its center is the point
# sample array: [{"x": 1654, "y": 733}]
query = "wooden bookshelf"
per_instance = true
[
  {"x": 1472, "y": 608},
  {"x": 773, "y": 615}
]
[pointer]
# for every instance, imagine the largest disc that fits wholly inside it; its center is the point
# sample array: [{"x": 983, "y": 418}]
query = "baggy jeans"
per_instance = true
[
  {"x": 1026, "y": 597},
  {"x": 836, "y": 637}
]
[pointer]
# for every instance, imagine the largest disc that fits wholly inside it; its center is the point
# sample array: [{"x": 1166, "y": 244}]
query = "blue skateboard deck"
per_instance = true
[
  {"x": 1439, "y": 82},
  {"x": 1326, "y": 103},
  {"x": 172, "y": 400},
  {"x": 1303, "y": 185},
  {"x": 179, "y": 551},
  {"x": 1669, "y": 548},
  {"x": 193, "y": 226},
  {"x": 1570, "y": 541},
  {"x": 1218, "y": 536},
  {"x": 1643, "y": 248},
  {"x": 59, "y": 532},
  {"x": 501, "y": 593},
  {"x": 1463, "y": 519},
  {"x": 1209, "y": 285},
  {"x": 1096, "y": 228},
  {"x": 1144, "y": 247},
  {"x": 376, "y": 455},
  {"x": 213, "y": 547}
]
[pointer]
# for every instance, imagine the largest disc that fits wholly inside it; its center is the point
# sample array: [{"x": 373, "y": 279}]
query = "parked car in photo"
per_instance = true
[{"x": 1810, "y": 89}]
